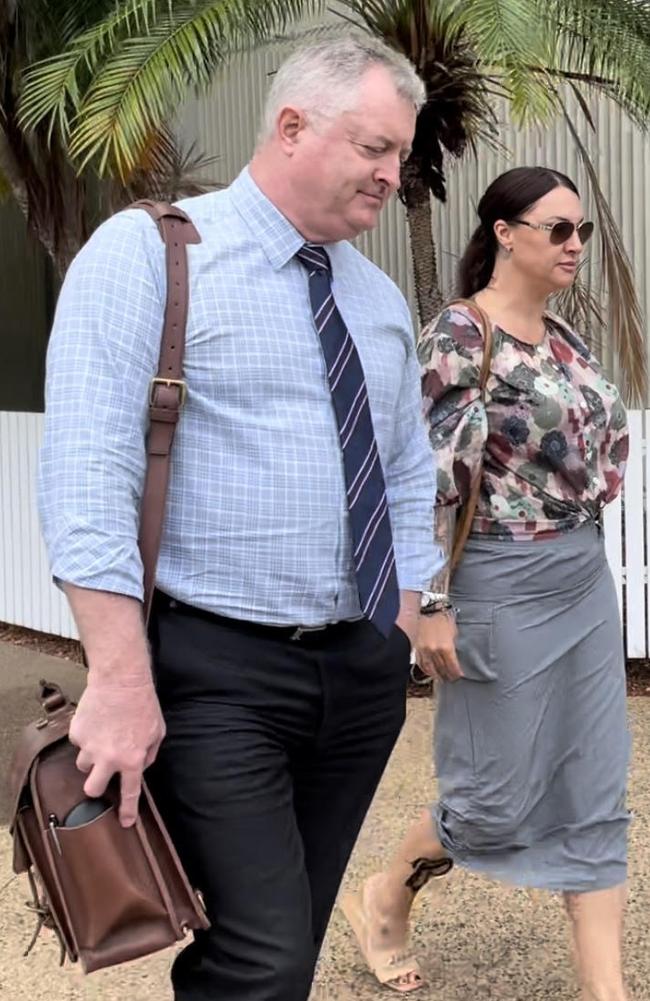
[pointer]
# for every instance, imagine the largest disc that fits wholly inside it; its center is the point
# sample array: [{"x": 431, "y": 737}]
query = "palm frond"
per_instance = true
[
  {"x": 625, "y": 317},
  {"x": 51, "y": 87},
  {"x": 167, "y": 172},
  {"x": 508, "y": 37},
  {"x": 581, "y": 306},
  {"x": 605, "y": 44},
  {"x": 77, "y": 17},
  {"x": 143, "y": 77},
  {"x": 50, "y": 95}
]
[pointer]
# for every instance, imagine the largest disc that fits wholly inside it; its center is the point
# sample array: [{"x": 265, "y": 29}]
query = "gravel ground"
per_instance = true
[{"x": 476, "y": 940}]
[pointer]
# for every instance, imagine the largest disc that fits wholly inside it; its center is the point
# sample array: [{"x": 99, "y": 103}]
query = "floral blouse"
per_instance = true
[{"x": 552, "y": 431}]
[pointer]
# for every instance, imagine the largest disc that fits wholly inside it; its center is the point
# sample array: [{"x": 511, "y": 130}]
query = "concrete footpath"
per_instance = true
[{"x": 476, "y": 940}]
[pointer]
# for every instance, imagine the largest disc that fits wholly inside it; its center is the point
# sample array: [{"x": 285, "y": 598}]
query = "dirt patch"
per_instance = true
[
  {"x": 56, "y": 646},
  {"x": 638, "y": 677}
]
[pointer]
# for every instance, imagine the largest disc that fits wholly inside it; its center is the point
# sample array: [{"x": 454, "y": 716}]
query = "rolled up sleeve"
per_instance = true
[
  {"x": 411, "y": 487},
  {"x": 102, "y": 354}
]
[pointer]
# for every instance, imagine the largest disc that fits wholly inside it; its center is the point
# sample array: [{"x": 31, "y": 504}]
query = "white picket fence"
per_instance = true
[{"x": 28, "y": 597}]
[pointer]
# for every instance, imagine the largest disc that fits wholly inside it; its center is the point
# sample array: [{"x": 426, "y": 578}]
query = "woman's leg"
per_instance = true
[
  {"x": 413, "y": 864},
  {"x": 387, "y": 898},
  {"x": 597, "y": 926}
]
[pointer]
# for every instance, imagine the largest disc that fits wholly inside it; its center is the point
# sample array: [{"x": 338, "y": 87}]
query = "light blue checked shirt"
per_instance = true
[{"x": 257, "y": 524}]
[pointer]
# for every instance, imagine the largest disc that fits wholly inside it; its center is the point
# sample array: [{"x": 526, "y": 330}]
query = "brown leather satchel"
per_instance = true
[{"x": 110, "y": 893}]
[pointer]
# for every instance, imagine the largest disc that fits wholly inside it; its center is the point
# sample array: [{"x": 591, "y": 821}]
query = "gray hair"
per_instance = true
[{"x": 323, "y": 78}]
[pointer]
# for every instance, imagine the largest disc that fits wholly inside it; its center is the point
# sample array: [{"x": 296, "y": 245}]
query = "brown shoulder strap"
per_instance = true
[
  {"x": 168, "y": 390},
  {"x": 485, "y": 326},
  {"x": 466, "y": 514}
]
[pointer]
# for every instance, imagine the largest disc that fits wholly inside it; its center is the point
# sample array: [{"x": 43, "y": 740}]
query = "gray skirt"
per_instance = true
[{"x": 532, "y": 745}]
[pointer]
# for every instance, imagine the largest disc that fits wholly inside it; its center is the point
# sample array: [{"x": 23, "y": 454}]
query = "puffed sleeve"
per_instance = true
[{"x": 450, "y": 352}]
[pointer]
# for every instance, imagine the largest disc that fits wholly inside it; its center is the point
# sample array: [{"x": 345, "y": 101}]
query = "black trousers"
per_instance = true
[{"x": 273, "y": 752}]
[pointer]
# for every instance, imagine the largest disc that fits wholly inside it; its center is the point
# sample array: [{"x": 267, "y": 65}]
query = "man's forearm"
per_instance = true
[
  {"x": 445, "y": 526},
  {"x": 409, "y": 613},
  {"x": 113, "y": 635}
]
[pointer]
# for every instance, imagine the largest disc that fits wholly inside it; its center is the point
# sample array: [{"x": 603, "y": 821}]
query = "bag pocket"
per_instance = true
[
  {"x": 109, "y": 885},
  {"x": 475, "y": 640}
]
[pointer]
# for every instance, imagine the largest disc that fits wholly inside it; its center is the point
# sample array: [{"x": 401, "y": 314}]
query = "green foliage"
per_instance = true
[
  {"x": 98, "y": 81},
  {"x": 117, "y": 83}
]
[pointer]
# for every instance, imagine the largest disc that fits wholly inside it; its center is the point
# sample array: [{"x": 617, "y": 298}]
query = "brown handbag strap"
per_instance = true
[
  {"x": 466, "y": 515},
  {"x": 167, "y": 390}
]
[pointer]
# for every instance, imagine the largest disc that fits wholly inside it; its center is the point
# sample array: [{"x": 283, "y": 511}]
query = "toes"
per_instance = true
[{"x": 408, "y": 982}]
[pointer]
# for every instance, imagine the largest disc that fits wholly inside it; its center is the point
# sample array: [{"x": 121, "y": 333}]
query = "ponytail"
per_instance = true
[{"x": 477, "y": 263}]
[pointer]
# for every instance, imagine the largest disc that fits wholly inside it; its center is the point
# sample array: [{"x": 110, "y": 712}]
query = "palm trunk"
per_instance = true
[
  {"x": 423, "y": 250},
  {"x": 53, "y": 204},
  {"x": 45, "y": 186}
]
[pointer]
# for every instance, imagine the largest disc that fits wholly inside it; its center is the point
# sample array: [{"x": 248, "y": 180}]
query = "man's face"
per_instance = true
[{"x": 344, "y": 169}]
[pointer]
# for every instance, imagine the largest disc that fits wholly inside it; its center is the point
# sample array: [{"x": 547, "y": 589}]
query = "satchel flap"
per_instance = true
[{"x": 52, "y": 727}]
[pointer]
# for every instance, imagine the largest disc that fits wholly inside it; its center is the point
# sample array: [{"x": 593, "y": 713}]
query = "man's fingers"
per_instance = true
[
  {"x": 131, "y": 787},
  {"x": 98, "y": 779},
  {"x": 84, "y": 762}
]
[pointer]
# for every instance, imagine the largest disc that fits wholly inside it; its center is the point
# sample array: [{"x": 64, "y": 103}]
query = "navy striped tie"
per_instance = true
[{"x": 374, "y": 559}]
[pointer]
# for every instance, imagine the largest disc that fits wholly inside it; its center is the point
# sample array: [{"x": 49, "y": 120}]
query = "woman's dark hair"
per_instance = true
[{"x": 508, "y": 198}]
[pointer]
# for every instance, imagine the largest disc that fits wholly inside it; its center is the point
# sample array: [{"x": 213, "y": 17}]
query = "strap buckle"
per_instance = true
[{"x": 179, "y": 383}]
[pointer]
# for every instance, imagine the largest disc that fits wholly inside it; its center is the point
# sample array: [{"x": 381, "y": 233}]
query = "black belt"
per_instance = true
[{"x": 295, "y": 633}]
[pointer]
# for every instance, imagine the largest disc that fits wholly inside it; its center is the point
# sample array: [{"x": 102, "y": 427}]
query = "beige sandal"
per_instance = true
[{"x": 399, "y": 971}]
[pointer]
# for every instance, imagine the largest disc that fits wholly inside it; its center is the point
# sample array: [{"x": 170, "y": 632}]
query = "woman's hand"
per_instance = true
[{"x": 435, "y": 649}]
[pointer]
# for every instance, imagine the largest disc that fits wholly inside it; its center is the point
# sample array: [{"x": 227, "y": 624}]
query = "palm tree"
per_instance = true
[
  {"x": 61, "y": 202},
  {"x": 35, "y": 169},
  {"x": 115, "y": 84}
]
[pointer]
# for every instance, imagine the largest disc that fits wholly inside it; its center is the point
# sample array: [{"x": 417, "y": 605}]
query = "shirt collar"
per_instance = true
[{"x": 279, "y": 239}]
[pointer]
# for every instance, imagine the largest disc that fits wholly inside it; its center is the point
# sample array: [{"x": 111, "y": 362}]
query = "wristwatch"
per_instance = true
[{"x": 435, "y": 601}]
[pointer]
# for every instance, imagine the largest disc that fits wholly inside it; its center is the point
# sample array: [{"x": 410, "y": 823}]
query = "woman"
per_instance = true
[{"x": 531, "y": 735}]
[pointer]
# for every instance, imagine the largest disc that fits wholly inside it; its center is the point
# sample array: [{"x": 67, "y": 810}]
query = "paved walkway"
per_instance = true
[{"x": 476, "y": 940}]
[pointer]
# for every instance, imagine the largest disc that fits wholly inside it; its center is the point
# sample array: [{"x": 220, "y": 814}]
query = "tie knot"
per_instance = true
[{"x": 314, "y": 258}]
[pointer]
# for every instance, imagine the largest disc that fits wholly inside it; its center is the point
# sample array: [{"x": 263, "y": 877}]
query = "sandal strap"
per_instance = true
[{"x": 400, "y": 964}]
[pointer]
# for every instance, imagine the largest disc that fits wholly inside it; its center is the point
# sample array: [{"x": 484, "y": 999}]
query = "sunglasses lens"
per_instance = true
[
  {"x": 561, "y": 232},
  {"x": 585, "y": 232}
]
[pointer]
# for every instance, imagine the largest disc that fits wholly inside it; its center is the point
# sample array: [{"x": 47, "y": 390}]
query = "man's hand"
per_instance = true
[
  {"x": 118, "y": 729},
  {"x": 118, "y": 726},
  {"x": 435, "y": 650}
]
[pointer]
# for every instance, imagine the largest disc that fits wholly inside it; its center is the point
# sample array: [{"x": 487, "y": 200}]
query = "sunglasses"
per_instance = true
[{"x": 560, "y": 232}]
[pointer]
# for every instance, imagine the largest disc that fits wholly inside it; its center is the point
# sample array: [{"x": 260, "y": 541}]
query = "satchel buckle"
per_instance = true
[{"x": 179, "y": 383}]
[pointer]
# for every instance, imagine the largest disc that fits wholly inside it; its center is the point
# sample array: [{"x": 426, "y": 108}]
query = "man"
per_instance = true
[{"x": 301, "y": 498}]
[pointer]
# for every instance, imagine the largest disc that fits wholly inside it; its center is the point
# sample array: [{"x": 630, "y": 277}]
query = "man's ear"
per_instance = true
[{"x": 290, "y": 124}]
